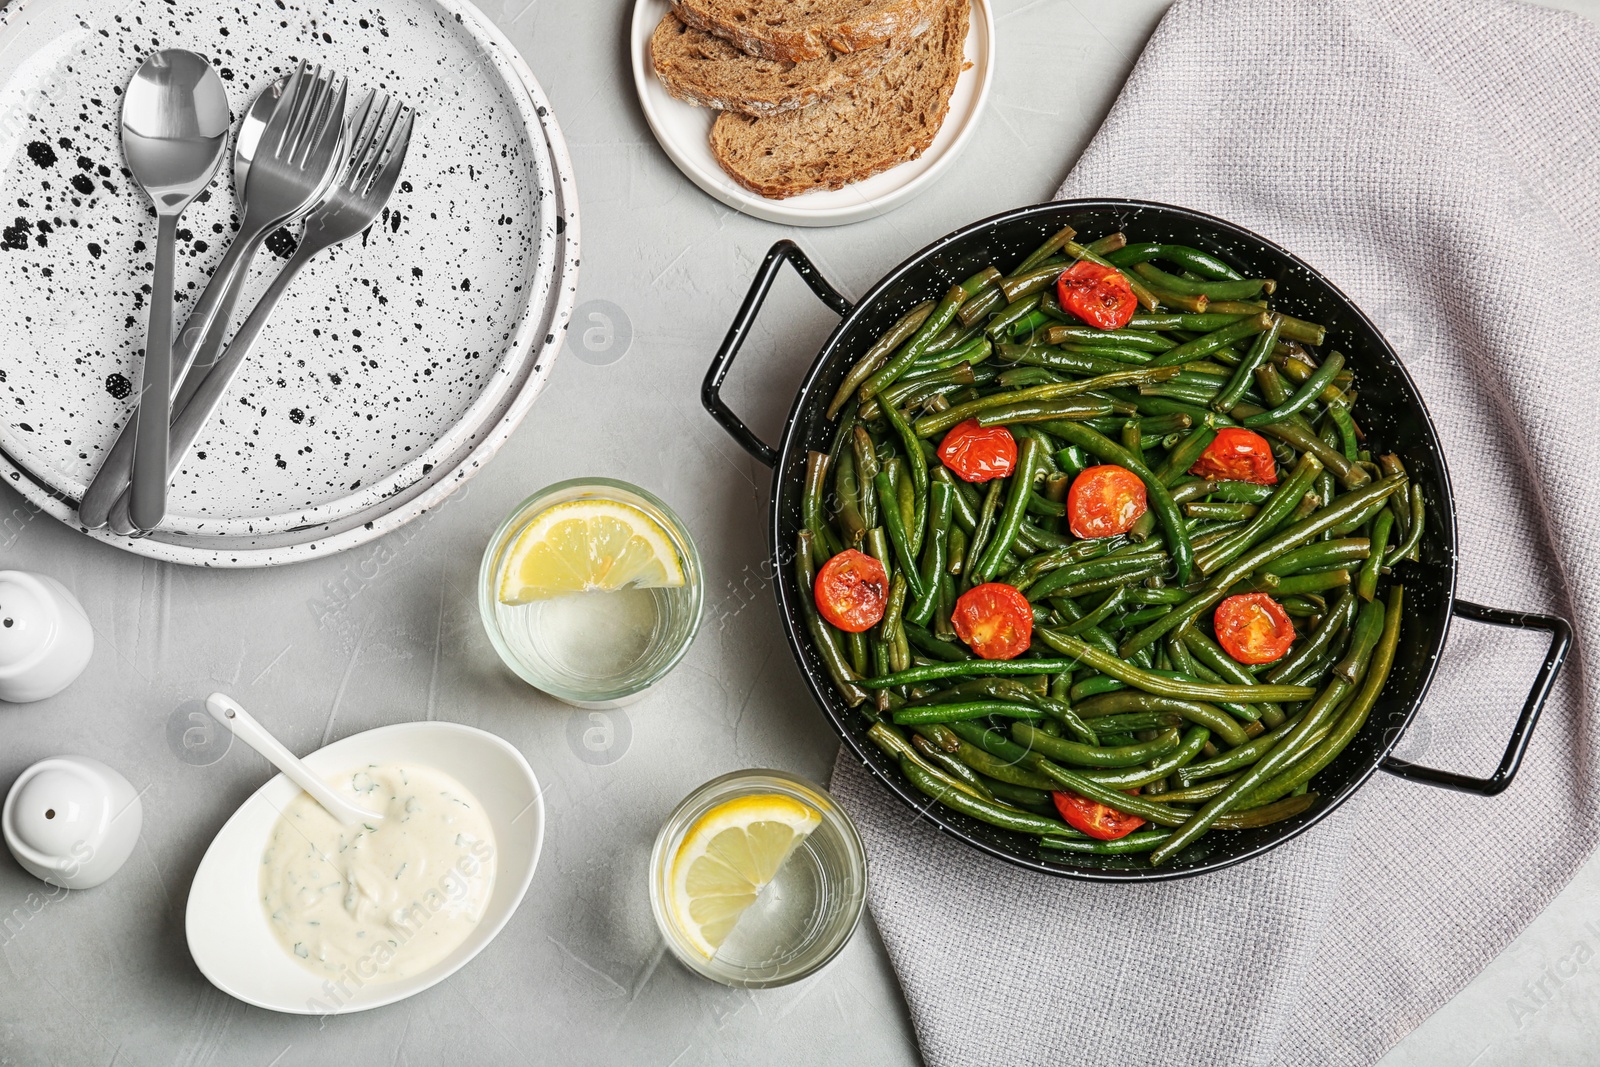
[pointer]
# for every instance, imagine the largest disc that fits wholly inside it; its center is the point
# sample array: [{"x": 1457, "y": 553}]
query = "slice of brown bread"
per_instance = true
[
  {"x": 795, "y": 30},
  {"x": 702, "y": 68},
  {"x": 888, "y": 119}
]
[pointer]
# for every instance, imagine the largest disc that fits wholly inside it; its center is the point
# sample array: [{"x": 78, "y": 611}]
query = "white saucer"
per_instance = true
[{"x": 683, "y": 131}]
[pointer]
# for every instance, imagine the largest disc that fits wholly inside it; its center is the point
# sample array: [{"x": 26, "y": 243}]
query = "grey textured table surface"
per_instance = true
[{"x": 390, "y": 632}]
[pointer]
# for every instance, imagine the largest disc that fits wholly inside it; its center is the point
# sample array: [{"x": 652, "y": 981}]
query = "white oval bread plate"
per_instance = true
[
  {"x": 397, "y": 364},
  {"x": 684, "y": 132},
  {"x": 229, "y": 936}
]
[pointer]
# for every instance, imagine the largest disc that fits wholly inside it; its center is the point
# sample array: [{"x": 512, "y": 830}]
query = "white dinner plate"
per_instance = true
[
  {"x": 229, "y": 936},
  {"x": 396, "y": 365},
  {"x": 684, "y": 132}
]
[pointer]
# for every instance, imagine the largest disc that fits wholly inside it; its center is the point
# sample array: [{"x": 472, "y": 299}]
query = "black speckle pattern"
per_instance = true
[
  {"x": 372, "y": 374},
  {"x": 282, "y": 243},
  {"x": 41, "y": 154}
]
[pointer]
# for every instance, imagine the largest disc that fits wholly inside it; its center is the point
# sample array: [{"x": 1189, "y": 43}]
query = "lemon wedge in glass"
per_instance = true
[
  {"x": 585, "y": 546},
  {"x": 728, "y": 856}
]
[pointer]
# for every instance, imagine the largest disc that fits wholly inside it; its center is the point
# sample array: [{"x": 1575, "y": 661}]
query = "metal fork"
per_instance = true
[
  {"x": 379, "y": 138},
  {"x": 287, "y": 175}
]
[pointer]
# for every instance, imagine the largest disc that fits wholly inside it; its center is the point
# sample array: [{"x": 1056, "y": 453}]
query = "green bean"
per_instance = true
[
  {"x": 1321, "y": 639},
  {"x": 985, "y": 527},
  {"x": 1294, "y": 329},
  {"x": 1303, "y": 396},
  {"x": 1194, "y": 740},
  {"x": 951, "y": 766},
  {"x": 866, "y": 460},
  {"x": 1174, "y": 529},
  {"x": 992, "y": 766},
  {"x": 1202, "y": 509},
  {"x": 869, "y": 363},
  {"x": 1210, "y": 654},
  {"x": 1006, "y": 818},
  {"x": 896, "y": 365},
  {"x": 1277, "y": 507},
  {"x": 825, "y": 544},
  {"x": 1244, "y": 373},
  {"x": 1136, "y": 720},
  {"x": 1419, "y": 517},
  {"x": 918, "y": 466},
  {"x": 1120, "y": 568},
  {"x": 1293, "y": 537},
  {"x": 1216, "y": 290},
  {"x": 1094, "y": 755},
  {"x": 1237, "y": 758},
  {"x": 1093, "y": 336},
  {"x": 1108, "y": 664},
  {"x": 934, "y": 646},
  {"x": 1202, "y": 263},
  {"x": 1320, "y": 554},
  {"x": 1350, "y": 475},
  {"x": 1110, "y": 796},
  {"x": 1208, "y": 343},
  {"x": 942, "y": 506},
  {"x": 999, "y": 668},
  {"x": 1001, "y": 326},
  {"x": 889, "y": 625},
  {"x": 1184, "y": 455},
  {"x": 1130, "y": 845},
  {"x": 894, "y": 525},
  {"x": 833, "y": 660},
  {"x": 1354, "y": 716},
  {"x": 1191, "y": 794},
  {"x": 1203, "y": 714},
  {"x": 1048, "y": 249},
  {"x": 1260, "y": 771},
  {"x": 1310, "y": 582},
  {"x": 1045, "y": 411},
  {"x": 848, "y": 494},
  {"x": 1027, "y": 282},
  {"x": 953, "y": 712}
]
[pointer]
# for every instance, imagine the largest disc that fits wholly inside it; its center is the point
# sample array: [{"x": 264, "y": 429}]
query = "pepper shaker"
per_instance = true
[{"x": 45, "y": 636}]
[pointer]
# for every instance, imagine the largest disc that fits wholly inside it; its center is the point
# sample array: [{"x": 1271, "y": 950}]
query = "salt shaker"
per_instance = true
[
  {"x": 45, "y": 636},
  {"x": 71, "y": 821}
]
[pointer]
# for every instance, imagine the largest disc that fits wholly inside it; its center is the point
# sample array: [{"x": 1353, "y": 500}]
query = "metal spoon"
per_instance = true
[
  {"x": 227, "y": 711},
  {"x": 200, "y": 342},
  {"x": 174, "y": 129}
]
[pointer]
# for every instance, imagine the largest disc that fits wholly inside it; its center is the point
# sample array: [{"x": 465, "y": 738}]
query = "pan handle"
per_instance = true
[
  {"x": 711, "y": 390},
  {"x": 1560, "y": 640}
]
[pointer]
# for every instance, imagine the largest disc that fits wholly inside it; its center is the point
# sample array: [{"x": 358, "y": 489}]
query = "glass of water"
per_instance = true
[
  {"x": 598, "y": 649},
  {"x": 801, "y": 919}
]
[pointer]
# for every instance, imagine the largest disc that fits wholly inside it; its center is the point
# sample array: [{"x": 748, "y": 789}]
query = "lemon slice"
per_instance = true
[
  {"x": 726, "y": 859},
  {"x": 588, "y": 545}
]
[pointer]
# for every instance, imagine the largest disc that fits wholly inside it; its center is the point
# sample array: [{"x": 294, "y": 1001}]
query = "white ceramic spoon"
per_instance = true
[{"x": 227, "y": 711}]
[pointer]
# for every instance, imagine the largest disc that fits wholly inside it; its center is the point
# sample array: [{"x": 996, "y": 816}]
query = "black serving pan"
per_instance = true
[{"x": 1391, "y": 413}]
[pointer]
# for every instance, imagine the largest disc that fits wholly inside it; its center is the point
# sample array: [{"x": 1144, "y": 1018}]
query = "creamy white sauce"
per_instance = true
[{"x": 386, "y": 899}]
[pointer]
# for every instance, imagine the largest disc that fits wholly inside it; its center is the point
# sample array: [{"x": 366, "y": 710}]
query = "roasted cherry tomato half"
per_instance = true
[
  {"x": 979, "y": 453},
  {"x": 1098, "y": 295},
  {"x": 994, "y": 620},
  {"x": 1104, "y": 500},
  {"x": 1094, "y": 818},
  {"x": 1253, "y": 628},
  {"x": 852, "y": 590},
  {"x": 1237, "y": 455}
]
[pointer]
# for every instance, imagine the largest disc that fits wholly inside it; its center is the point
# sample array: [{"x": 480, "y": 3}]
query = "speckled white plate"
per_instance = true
[
  {"x": 684, "y": 132},
  {"x": 395, "y": 366}
]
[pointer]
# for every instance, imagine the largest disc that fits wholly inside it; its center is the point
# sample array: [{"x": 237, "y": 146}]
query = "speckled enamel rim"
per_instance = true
[
  {"x": 465, "y": 447},
  {"x": 682, "y": 128}
]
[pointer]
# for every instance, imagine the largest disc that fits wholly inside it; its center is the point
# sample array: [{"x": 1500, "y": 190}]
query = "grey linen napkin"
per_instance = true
[{"x": 1440, "y": 161}]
